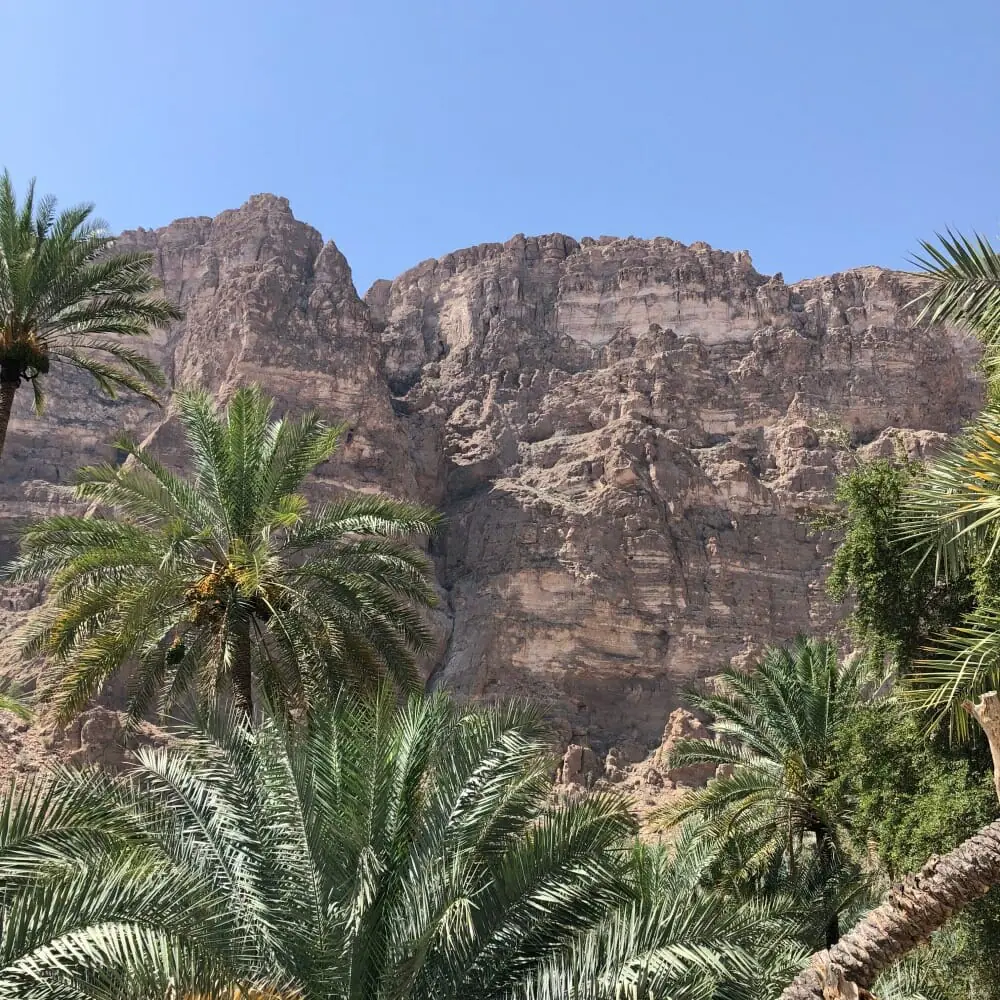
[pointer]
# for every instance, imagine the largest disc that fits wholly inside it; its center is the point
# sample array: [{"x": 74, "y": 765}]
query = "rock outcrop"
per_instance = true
[
  {"x": 96, "y": 736},
  {"x": 627, "y": 436},
  {"x": 651, "y": 781}
]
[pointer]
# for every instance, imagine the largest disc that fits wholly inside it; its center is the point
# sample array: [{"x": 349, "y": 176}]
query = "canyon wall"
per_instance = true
[{"x": 627, "y": 437}]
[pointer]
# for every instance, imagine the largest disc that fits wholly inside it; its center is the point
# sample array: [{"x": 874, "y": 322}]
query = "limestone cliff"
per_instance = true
[{"x": 625, "y": 435}]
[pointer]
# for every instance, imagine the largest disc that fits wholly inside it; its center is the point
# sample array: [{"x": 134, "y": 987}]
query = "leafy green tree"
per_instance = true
[
  {"x": 915, "y": 792},
  {"x": 65, "y": 298},
  {"x": 381, "y": 851},
  {"x": 226, "y": 576},
  {"x": 897, "y": 599},
  {"x": 775, "y": 730},
  {"x": 918, "y": 794},
  {"x": 910, "y": 914}
]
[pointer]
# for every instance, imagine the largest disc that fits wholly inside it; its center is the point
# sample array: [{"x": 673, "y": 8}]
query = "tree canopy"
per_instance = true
[
  {"x": 68, "y": 297},
  {"x": 226, "y": 578}
]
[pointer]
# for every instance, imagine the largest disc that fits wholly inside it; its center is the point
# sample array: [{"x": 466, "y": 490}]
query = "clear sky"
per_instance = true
[{"x": 817, "y": 135}]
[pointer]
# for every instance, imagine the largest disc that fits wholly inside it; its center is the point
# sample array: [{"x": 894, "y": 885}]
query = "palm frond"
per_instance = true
[
  {"x": 408, "y": 850},
  {"x": 950, "y": 512},
  {"x": 957, "y": 666},
  {"x": 68, "y": 297},
  {"x": 966, "y": 286}
]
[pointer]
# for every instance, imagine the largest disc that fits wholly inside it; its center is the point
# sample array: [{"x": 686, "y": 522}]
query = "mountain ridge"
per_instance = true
[{"x": 625, "y": 435}]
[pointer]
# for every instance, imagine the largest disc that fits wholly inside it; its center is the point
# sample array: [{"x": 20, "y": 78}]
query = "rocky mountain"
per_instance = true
[{"x": 627, "y": 436}]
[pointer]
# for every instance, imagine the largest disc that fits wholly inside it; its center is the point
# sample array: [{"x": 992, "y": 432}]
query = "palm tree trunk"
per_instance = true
[
  {"x": 8, "y": 388},
  {"x": 240, "y": 672},
  {"x": 825, "y": 853},
  {"x": 913, "y": 910},
  {"x": 910, "y": 914}
]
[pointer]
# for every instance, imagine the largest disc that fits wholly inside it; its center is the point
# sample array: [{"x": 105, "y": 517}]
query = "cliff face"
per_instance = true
[{"x": 626, "y": 436}]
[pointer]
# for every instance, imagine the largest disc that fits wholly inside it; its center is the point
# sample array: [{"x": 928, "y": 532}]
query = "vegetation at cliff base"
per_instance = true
[
  {"x": 311, "y": 824},
  {"x": 226, "y": 578}
]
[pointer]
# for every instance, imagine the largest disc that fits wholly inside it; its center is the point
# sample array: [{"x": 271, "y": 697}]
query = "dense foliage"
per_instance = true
[
  {"x": 917, "y": 790},
  {"x": 897, "y": 599},
  {"x": 378, "y": 852},
  {"x": 917, "y": 795},
  {"x": 914, "y": 795}
]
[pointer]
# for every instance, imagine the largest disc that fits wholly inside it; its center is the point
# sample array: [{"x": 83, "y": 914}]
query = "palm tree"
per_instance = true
[
  {"x": 679, "y": 935},
  {"x": 775, "y": 733},
  {"x": 382, "y": 851},
  {"x": 65, "y": 298},
  {"x": 226, "y": 576}
]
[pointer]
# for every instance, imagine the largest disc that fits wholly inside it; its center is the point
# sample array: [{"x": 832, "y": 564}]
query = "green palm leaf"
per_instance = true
[
  {"x": 66, "y": 298},
  {"x": 965, "y": 288},
  {"x": 380, "y": 851},
  {"x": 226, "y": 577}
]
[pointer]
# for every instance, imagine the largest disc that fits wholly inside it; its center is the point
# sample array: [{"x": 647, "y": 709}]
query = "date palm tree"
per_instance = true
[
  {"x": 775, "y": 729},
  {"x": 226, "y": 577},
  {"x": 410, "y": 852},
  {"x": 65, "y": 298}
]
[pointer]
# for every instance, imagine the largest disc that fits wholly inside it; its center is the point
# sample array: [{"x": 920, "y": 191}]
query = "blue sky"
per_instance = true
[{"x": 818, "y": 136}]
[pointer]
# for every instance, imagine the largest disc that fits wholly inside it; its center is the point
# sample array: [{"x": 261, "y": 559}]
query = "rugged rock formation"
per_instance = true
[
  {"x": 627, "y": 436},
  {"x": 96, "y": 736},
  {"x": 649, "y": 779}
]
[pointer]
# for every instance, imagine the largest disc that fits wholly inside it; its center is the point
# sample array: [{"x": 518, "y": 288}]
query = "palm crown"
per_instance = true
[
  {"x": 378, "y": 852},
  {"x": 776, "y": 729},
  {"x": 229, "y": 575},
  {"x": 64, "y": 298}
]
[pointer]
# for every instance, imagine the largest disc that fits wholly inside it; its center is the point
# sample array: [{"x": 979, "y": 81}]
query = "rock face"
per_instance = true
[
  {"x": 650, "y": 780},
  {"x": 626, "y": 436},
  {"x": 96, "y": 736}
]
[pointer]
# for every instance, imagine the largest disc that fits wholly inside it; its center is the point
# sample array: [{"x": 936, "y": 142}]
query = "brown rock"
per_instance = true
[
  {"x": 580, "y": 766},
  {"x": 97, "y": 736},
  {"x": 625, "y": 435}
]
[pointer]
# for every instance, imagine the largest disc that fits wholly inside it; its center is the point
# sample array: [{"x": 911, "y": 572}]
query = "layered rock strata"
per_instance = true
[{"x": 627, "y": 436}]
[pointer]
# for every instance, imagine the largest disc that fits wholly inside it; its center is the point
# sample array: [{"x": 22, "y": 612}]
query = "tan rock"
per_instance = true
[
  {"x": 625, "y": 435},
  {"x": 98, "y": 736},
  {"x": 580, "y": 766}
]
